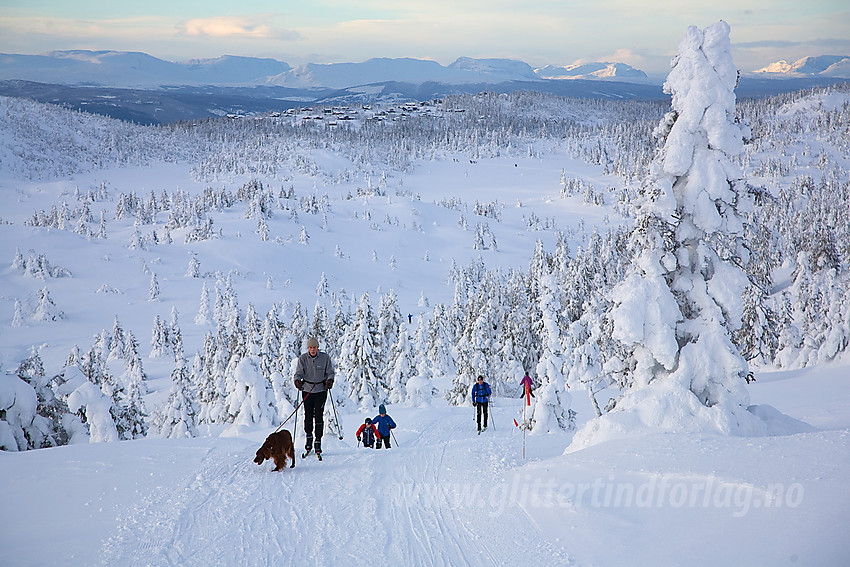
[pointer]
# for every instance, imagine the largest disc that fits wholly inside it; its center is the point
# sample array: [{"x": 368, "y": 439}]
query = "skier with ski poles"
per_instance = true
[
  {"x": 314, "y": 376},
  {"x": 481, "y": 400},
  {"x": 526, "y": 385},
  {"x": 384, "y": 424},
  {"x": 367, "y": 434}
]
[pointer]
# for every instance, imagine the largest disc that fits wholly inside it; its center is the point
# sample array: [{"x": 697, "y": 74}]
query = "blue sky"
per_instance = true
[{"x": 558, "y": 32}]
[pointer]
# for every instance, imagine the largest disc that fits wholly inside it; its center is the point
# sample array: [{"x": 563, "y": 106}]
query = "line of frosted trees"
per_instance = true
[{"x": 561, "y": 314}]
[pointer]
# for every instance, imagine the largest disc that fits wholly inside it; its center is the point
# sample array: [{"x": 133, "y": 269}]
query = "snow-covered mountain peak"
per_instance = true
[
  {"x": 812, "y": 66},
  {"x": 594, "y": 70},
  {"x": 506, "y": 69}
]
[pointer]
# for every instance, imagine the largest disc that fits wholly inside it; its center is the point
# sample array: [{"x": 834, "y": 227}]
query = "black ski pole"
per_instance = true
[
  {"x": 336, "y": 417},
  {"x": 394, "y": 439}
]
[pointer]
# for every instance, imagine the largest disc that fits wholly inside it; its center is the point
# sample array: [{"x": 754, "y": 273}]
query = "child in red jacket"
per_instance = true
[{"x": 367, "y": 434}]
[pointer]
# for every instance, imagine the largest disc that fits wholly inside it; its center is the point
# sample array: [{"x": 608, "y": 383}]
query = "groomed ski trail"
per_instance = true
[{"x": 428, "y": 502}]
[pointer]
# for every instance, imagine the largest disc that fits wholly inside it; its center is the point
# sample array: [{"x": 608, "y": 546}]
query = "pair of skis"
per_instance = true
[
  {"x": 339, "y": 430},
  {"x": 311, "y": 452}
]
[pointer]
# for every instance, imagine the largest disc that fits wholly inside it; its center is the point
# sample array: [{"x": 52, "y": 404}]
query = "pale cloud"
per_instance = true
[{"x": 238, "y": 27}]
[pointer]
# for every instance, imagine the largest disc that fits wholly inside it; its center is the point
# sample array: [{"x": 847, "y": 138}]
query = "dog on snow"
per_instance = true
[{"x": 278, "y": 446}]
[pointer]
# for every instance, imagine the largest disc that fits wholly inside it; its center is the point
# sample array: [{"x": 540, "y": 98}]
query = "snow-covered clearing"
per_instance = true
[
  {"x": 287, "y": 223},
  {"x": 446, "y": 496}
]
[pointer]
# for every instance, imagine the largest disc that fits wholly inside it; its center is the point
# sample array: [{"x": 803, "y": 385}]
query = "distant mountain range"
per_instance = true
[
  {"x": 837, "y": 66},
  {"x": 139, "y": 70},
  {"x": 138, "y": 87}
]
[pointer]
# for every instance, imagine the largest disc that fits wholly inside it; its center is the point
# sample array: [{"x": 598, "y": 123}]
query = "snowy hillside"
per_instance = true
[{"x": 159, "y": 283}]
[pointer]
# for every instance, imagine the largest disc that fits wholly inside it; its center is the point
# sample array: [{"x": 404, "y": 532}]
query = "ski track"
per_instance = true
[{"x": 415, "y": 508}]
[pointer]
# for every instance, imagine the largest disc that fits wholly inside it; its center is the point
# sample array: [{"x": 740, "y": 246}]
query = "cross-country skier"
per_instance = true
[
  {"x": 526, "y": 386},
  {"x": 367, "y": 434},
  {"x": 384, "y": 424},
  {"x": 314, "y": 376},
  {"x": 481, "y": 399}
]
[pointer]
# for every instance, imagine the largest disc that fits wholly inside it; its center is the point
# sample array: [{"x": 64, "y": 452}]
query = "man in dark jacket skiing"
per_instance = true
[
  {"x": 481, "y": 399},
  {"x": 314, "y": 376}
]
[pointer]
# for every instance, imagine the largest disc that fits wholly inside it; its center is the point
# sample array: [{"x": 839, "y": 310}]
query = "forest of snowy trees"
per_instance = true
[{"x": 783, "y": 238}]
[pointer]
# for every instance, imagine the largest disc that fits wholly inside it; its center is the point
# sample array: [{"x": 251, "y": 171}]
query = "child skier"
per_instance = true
[
  {"x": 384, "y": 425},
  {"x": 367, "y": 434}
]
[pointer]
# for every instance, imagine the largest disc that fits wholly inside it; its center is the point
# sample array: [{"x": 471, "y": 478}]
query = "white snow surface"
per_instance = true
[
  {"x": 442, "y": 495},
  {"x": 446, "y": 496}
]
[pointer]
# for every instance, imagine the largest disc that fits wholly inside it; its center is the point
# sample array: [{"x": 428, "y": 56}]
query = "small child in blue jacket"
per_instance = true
[{"x": 384, "y": 424}]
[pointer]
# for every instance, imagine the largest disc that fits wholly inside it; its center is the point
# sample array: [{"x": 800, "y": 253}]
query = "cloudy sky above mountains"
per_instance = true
[{"x": 559, "y": 32}]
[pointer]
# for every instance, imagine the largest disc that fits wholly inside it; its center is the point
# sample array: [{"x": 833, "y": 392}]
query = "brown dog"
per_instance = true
[{"x": 278, "y": 446}]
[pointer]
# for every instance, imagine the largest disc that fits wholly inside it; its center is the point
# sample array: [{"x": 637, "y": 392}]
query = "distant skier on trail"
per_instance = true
[
  {"x": 314, "y": 376},
  {"x": 367, "y": 434},
  {"x": 526, "y": 384},
  {"x": 384, "y": 424},
  {"x": 481, "y": 400}
]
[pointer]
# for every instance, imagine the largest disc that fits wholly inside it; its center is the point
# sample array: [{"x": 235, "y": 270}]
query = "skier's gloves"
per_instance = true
[
  {"x": 299, "y": 384},
  {"x": 329, "y": 383}
]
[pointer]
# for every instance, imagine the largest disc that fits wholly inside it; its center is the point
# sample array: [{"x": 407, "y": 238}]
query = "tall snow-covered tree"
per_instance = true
[
  {"x": 400, "y": 368},
  {"x": 193, "y": 270},
  {"x": 160, "y": 338},
  {"x": 153, "y": 290},
  {"x": 46, "y": 309},
  {"x": 204, "y": 317},
  {"x": 250, "y": 398},
  {"x": 680, "y": 302},
  {"x": 551, "y": 410},
  {"x": 18, "y": 317},
  {"x": 359, "y": 358},
  {"x": 177, "y": 418},
  {"x": 389, "y": 324},
  {"x": 419, "y": 389},
  {"x": 437, "y": 341}
]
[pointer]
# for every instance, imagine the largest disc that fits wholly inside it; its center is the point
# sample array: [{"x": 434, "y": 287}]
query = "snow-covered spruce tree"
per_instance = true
[
  {"x": 390, "y": 324},
  {"x": 153, "y": 291},
  {"x": 30, "y": 412},
  {"x": 46, "y": 310},
  {"x": 90, "y": 404},
  {"x": 552, "y": 402},
  {"x": 177, "y": 418},
  {"x": 193, "y": 270},
  {"x": 478, "y": 344},
  {"x": 209, "y": 382},
  {"x": 359, "y": 358},
  {"x": 18, "y": 316},
  {"x": 400, "y": 367},
  {"x": 250, "y": 398},
  {"x": 204, "y": 317},
  {"x": 680, "y": 301},
  {"x": 437, "y": 343},
  {"x": 160, "y": 338},
  {"x": 419, "y": 389}
]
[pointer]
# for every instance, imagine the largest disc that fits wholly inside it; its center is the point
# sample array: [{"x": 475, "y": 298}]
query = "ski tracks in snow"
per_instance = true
[{"x": 426, "y": 502}]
